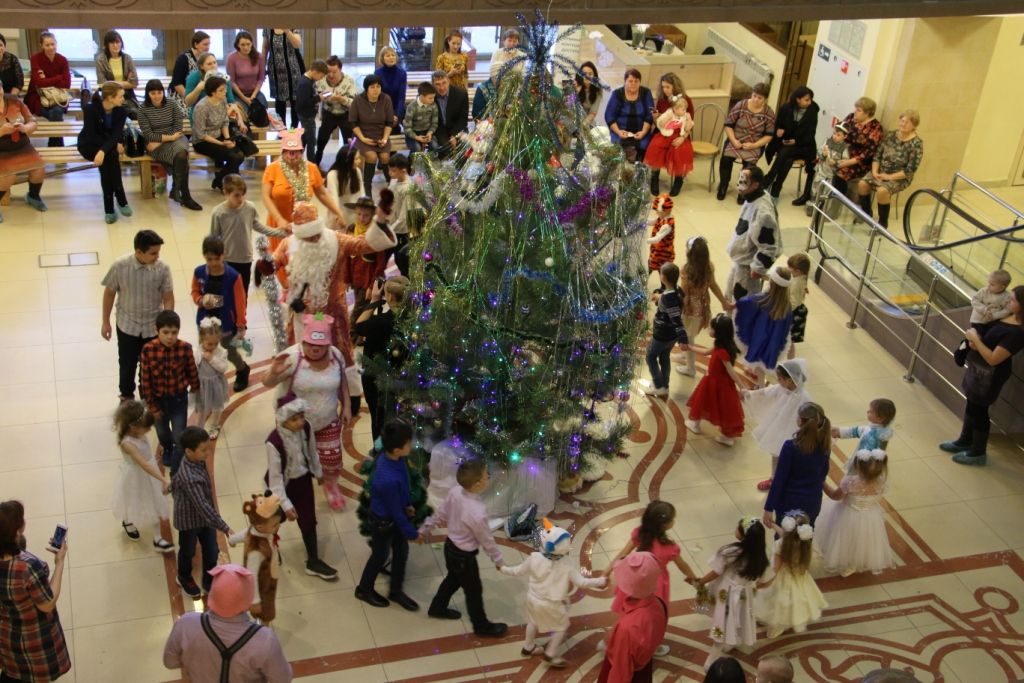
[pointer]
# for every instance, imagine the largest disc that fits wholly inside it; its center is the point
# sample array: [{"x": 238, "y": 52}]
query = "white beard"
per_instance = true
[{"x": 312, "y": 263}]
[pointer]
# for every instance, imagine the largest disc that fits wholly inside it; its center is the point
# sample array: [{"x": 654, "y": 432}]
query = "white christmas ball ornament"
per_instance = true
[{"x": 549, "y": 262}]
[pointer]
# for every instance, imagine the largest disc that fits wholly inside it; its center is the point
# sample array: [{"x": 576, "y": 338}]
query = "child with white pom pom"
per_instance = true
[
  {"x": 553, "y": 579},
  {"x": 851, "y": 531},
  {"x": 792, "y": 599}
]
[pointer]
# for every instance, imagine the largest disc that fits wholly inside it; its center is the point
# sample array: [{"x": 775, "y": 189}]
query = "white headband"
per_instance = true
[
  {"x": 777, "y": 278},
  {"x": 874, "y": 454}
]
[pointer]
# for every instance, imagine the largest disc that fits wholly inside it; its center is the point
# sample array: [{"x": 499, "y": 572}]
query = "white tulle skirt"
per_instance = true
[
  {"x": 851, "y": 536},
  {"x": 792, "y": 601},
  {"x": 138, "y": 497}
]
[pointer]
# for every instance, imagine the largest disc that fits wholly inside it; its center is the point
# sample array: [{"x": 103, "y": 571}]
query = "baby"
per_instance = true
[{"x": 991, "y": 303}]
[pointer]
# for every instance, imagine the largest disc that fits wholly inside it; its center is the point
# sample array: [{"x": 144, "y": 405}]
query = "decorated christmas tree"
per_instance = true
[{"x": 530, "y": 288}]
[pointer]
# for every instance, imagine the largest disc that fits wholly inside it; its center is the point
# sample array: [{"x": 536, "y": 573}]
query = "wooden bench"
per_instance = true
[
  {"x": 73, "y": 162},
  {"x": 70, "y": 129}
]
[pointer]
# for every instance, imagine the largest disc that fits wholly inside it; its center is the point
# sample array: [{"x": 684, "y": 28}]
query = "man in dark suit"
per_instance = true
[{"x": 453, "y": 112}]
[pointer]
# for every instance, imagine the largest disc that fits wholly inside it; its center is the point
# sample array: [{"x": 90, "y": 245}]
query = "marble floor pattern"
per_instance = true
[{"x": 950, "y": 610}]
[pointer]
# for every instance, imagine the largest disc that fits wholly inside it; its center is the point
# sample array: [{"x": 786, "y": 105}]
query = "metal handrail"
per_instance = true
[
  {"x": 960, "y": 176},
  {"x": 987, "y": 232}
]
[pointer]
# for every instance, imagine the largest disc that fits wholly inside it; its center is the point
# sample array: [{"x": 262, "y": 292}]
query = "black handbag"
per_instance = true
[
  {"x": 134, "y": 141},
  {"x": 258, "y": 115},
  {"x": 247, "y": 146}
]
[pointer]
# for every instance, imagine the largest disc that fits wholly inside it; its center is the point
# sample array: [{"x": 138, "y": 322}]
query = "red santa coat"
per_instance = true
[{"x": 332, "y": 301}]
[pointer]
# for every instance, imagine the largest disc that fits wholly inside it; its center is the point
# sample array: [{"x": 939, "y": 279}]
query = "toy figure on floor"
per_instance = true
[
  {"x": 265, "y": 519},
  {"x": 553, "y": 580}
]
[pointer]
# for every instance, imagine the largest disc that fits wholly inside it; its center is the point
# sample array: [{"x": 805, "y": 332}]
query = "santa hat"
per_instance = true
[
  {"x": 554, "y": 540},
  {"x": 288, "y": 406},
  {"x": 796, "y": 368},
  {"x": 232, "y": 590},
  {"x": 662, "y": 203},
  {"x": 316, "y": 329},
  {"x": 291, "y": 139},
  {"x": 637, "y": 574},
  {"x": 307, "y": 230}
]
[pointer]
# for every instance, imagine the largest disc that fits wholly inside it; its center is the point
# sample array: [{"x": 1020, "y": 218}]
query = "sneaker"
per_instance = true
[
  {"x": 692, "y": 425},
  {"x": 555, "y": 662},
  {"x": 163, "y": 546},
  {"x": 953, "y": 446},
  {"x": 125, "y": 210},
  {"x": 320, "y": 568},
  {"x": 764, "y": 485},
  {"x": 110, "y": 218},
  {"x": 35, "y": 203},
  {"x": 370, "y": 597},
  {"x": 189, "y": 586},
  {"x": 965, "y": 458},
  {"x": 130, "y": 531},
  {"x": 404, "y": 601},
  {"x": 686, "y": 370},
  {"x": 654, "y": 391},
  {"x": 492, "y": 629},
  {"x": 446, "y": 613},
  {"x": 725, "y": 440},
  {"x": 661, "y": 650}
]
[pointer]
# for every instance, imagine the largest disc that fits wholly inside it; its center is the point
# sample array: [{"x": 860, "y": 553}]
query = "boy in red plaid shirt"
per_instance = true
[{"x": 168, "y": 372}]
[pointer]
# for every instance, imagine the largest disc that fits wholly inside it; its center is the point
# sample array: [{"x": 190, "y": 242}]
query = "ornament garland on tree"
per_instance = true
[{"x": 529, "y": 287}]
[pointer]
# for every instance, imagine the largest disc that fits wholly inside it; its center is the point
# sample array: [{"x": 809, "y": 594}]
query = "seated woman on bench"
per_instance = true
[
  {"x": 100, "y": 141},
  {"x": 17, "y": 155},
  {"x": 210, "y": 135}
]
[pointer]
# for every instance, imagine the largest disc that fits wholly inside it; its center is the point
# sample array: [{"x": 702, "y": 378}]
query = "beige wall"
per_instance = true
[
  {"x": 940, "y": 70},
  {"x": 998, "y": 130},
  {"x": 12, "y": 35}
]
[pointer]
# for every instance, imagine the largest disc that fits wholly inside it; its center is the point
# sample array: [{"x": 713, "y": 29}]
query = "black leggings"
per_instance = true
[
  {"x": 110, "y": 178},
  {"x": 281, "y": 107},
  {"x": 776, "y": 176},
  {"x": 227, "y": 160},
  {"x": 725, "y": 169}
]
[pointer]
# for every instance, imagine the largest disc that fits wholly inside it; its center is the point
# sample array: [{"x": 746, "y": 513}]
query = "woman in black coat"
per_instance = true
[
  {"x": 794, "y": 139},
  {"x": 376, "y": 324},
  {"x": 100, "y": 142}
]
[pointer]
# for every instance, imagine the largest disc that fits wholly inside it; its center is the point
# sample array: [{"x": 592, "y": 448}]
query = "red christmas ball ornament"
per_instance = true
[{"x": 553, "y": 162}]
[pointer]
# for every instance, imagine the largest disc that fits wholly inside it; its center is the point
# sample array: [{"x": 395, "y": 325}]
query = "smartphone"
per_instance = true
[
  {"x": 380, "y": 282},
  {"x": 58, "y": 538}
]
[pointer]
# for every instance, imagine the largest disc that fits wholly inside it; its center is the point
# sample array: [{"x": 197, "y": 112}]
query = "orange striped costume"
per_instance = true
[{"x": 664, "y": 250}]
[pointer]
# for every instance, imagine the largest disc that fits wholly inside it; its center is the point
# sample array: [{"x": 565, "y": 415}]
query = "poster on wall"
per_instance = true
[{"x": 837, "y": 82}]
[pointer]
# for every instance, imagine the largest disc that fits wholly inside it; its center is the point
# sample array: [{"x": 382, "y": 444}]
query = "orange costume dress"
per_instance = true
[{"x": 283, "y": 194}]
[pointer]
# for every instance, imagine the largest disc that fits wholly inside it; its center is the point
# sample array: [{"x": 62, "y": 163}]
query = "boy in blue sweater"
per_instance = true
[
  {"x": 668, "y": 330},
  {"x": 391, "y": 511}
]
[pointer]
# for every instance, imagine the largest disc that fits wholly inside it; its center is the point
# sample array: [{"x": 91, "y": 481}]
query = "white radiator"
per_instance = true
[{"x": 749, "y": 68}]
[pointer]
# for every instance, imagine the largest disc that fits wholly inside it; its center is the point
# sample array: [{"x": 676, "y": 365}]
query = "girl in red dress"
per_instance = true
[
  {"x": 670, "y": 147},
  {"x": 717, "y": 397}
]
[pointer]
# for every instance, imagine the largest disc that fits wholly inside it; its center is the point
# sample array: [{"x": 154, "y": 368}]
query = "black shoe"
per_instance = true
[
  {"x": 189, "y": 587},
  {"x": 218, "y": 183},
  {"x": 492, "y": 629},
  {"x": 131, "y": 531},
  {"x": 655, "y": 183},
  {"x": 801, "y": 200},
  {"x": 371, "y": 598},
  {"x": 322, "y": 569},
  {"x": 242, "y": 379},
  {"x": 189, "y": 203},
  {"x": 404, "y": 601},
  {"x": 446, "y": 613},
  {"x": 677, "y": 186},
  {"x": 721, "y": 193}
]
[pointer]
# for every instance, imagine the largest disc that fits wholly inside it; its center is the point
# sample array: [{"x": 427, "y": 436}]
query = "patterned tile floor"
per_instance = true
[{"x": 950, "y": 610}]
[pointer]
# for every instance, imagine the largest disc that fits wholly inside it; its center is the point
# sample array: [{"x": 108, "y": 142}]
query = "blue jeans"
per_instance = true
[
  {"x": 415, "y": 145},
  {"x": 170, "y": 423},
  {"x": 53, "y": 114},
  {"x": 659, "y": 362},
  {"x": 207, "y": 538}
]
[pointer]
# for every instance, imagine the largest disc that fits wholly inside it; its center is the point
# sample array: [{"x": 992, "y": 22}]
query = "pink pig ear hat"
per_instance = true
[
  {"x": 637, "y": 574},
  {"x": 232, "y": 590}
]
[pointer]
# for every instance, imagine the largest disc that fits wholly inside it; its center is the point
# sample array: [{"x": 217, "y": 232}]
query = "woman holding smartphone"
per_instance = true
[{"x": 32, "y": 645}]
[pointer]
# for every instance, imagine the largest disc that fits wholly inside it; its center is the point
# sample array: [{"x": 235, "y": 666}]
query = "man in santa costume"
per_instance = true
[{"x": 311, "y": 259}]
